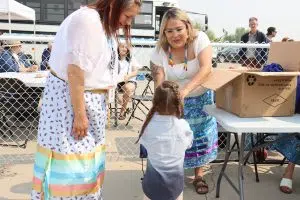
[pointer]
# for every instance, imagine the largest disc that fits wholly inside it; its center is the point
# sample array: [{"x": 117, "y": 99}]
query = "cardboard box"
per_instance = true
[
  {"x": 286, "y": 54},
  {"x": 248, "y": 93},
  {"x": 254, "y": 94}
]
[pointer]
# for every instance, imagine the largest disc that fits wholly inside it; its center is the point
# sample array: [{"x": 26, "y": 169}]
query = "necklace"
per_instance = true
[{"x": 171, "y": 62}]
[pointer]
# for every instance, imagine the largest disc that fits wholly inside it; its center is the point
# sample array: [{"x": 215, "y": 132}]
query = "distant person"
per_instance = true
[
  {"x": 13, "y": 60},
  {"x": 271, "y": 33},
  {"x": 289, "y": 148},
  {"x": 253, "y": 57},
  {"x": 1, "y": 33},
  {"x": 46, "y": 56},
  {"x": 128, "y": 70},
  {"x": 1, "y": 42},
  {"x": 166, "y": 136}
]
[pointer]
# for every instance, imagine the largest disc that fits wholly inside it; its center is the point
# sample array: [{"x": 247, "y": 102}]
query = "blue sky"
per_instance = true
[{"x": 229, "y": 14}]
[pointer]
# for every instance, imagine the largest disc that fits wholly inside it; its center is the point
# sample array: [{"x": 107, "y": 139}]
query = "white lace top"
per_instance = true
[
  {"x": 81, "y": 40},
  {"x": 177, "y": 72}
]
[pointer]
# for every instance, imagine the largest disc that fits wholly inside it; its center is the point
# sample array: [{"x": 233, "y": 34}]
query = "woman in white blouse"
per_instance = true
[
  {"x": 70, "y": 158},
  {"x": 128, "y": 70},
  {"x": 184, "y": 56}
]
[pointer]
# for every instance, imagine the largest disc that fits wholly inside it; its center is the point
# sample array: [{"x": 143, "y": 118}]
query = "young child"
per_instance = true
[
  {"x": 166, "y": 136},
  {"x": 128, "y": 70}
]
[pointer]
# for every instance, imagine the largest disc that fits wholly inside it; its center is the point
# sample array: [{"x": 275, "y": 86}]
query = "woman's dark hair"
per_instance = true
[
  {"x": 111, "y": 24},
  {"x": 128, "y": 54},
  {"x": 270, "y": 30},
  {"x": 166, "y": 101}
]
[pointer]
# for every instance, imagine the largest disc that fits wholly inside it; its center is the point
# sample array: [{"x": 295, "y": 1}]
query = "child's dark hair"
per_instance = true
[
  {"x": 166, "y": 101},
  {"x": 128, "y": 54}
]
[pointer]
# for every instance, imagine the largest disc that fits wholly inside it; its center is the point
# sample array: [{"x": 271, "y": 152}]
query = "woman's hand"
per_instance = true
[
  {"x": 33, "y": 68},
  {"x": 157, "y": 73},
  {"x": 76, "y": 86},
  {"x": 126, "y": 78},
  {"x": 80, "y": 126},
  {"x": 183, "y": 93}
]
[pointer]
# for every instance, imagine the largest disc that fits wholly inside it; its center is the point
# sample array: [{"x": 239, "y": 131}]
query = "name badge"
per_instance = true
[{"x": 111, "y": 95}]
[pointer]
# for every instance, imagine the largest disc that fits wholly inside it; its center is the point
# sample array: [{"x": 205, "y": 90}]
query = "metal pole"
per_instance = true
[
  {"x": 34, "y": 26},
  {"x": 9, "y": 17}
]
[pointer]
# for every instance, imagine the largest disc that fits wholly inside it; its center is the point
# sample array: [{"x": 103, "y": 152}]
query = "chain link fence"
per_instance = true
[{"x": 23, "y": 72}]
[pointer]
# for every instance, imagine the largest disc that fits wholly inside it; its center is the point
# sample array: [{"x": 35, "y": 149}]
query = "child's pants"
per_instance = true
[{"x": 179, "y": 198}]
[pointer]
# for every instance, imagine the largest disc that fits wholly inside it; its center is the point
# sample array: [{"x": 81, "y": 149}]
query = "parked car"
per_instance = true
[
  {"x": 214, "y": 58},
  {"x": 229, "y": 54},
  {"x": 214, "y": 62}
]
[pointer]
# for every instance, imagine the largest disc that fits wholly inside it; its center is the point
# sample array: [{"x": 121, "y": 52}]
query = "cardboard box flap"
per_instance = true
[
  {"x": 218, "y": 78},
  {"x": 275, "y": 73},
  {"x": 286, "y": 54},
  {"x": 242, "y": 69}
]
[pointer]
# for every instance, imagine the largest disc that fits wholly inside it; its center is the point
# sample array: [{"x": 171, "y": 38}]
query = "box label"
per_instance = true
[
  {"x": 279, "y": 84},
  {"x": 274, "y": 100}
]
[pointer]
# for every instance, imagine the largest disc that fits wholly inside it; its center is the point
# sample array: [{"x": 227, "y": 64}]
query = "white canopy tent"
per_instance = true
[{"x": 13, "y": 10}]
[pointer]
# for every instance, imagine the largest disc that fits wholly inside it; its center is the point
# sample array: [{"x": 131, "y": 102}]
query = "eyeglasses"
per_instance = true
[{"x": 253, "y": 24}]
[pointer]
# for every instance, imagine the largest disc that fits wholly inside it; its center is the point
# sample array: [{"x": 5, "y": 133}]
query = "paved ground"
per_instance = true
[
  {"x": 123, "y": 175},
  {"x": 122, "y": 181}
]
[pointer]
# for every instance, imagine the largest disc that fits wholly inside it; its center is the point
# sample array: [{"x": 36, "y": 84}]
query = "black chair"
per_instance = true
[
  {"x": 18, "y": 109},
  {"x": 138, "y": 100},
  {"x": 258, "y": 155},
  {"x": 113, "y": 110}
]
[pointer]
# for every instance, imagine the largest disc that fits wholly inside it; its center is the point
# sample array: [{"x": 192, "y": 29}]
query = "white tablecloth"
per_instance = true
[
  {"x": 30, "y": 79},
  {"x": 233, "y": 123}
]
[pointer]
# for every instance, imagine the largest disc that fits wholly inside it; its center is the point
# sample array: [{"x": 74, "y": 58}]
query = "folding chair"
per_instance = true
[
  {"x": 18, "y": 108},
  {"x": 137, "y": 100},
  {"x": 113, "y": 110}
]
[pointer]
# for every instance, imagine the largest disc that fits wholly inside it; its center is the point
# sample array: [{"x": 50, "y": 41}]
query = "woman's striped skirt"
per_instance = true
[
  {"x": 205, "y": 144},
  {"x": 66, "y": 168}
]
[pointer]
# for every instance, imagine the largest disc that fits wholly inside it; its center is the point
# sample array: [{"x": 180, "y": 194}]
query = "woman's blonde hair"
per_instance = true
[{"x": 177, "y": 14}]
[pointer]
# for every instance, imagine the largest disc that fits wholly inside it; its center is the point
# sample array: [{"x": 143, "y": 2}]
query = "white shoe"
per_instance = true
[{"x": 287, "y": 184}]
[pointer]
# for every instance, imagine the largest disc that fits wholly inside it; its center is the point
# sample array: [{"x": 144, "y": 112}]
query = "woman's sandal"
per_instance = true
[
  {"x": 122, "y": 116},
  {"x": 286, "y": 185},
  {"x": 200, "y": 185}
]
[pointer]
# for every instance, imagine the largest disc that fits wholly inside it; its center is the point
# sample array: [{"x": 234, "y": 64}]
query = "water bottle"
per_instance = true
[{"x": 140, "y": 77}]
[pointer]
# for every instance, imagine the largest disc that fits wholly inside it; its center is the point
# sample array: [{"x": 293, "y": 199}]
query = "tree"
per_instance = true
[
  {"x": 197, "y": 25},
  {"x": 211, "y": 35},
  {"x": 236, "y": 37},
  {"x": 239, "y": 32},
  {"x": 229, "y": 38}
]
